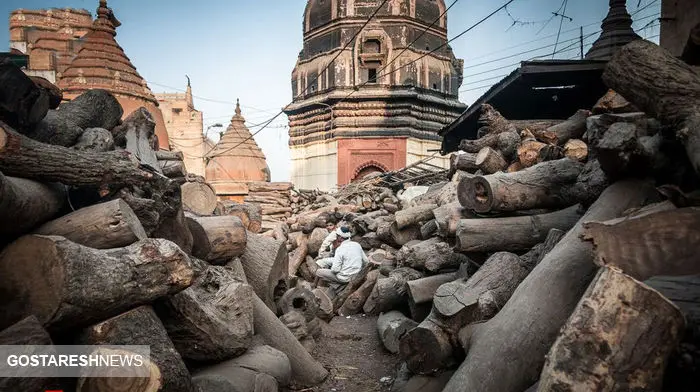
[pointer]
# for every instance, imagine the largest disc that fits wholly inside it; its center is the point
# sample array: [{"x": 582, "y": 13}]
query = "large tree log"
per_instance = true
[
  {"x": 421, "y": 293},
  {"x": 92, "y": 109},
  {"x": 431, "y": 346},
  {"x": 299, "y": 299},
  {"x": 528, "y": 150},
  {"x": 24, "y": 204},
  {"x": 176, "y": 228},
  {"x": 505, "y": 143},
  {"x": 266, "y": 265},
  {"x": 539, "y": 186},
  {"x": 354, "y": 303},
  {"x": 447, "y": 218},
  {"x": 315, "y": 240},
  {"x": 224, "y": 238},
  {"x": 390, "y": 293},
  {"x": 298, "y": 255},
  {"x": 199, "y": 198},
  {"x": 431, "y": 255},
  {"x": 516, "y": 340},
  {"x": 22, "y": 156},
  {"x": 138, "y": 326},
  {"x": 95, "y": 140},
  {"x": 350, "y": 288},
  {"x": 414, "y": 215},
  {"x": 589, "y": 355},
  {"x": 55, "y": 93},
  {"x": 465, "y": 162},
  {"x": 259, "y": 358},
  {"x": 305, "y": 370},
  {"x": 165, "y": 155},
  {"x": 513, "y": 233},
  {"x": 173, "y": 169},
  {"x": 572, "y": 128},
  {"x": 212, "y": 320},
  {"x": 576, "y": 149},
  {"x": 250, "y": 214},
  {"x": 49, "y": 276},
  {"x": 662, "y": 86},
  {"x": 625, "y": 150},
  {"x": 691, "y": 51},
  {"x": 22, "y": 103},
  {"x": 136, "y": 134},
  {"x": 490, "y": 161},
  {"x": 27, "y": 332},
  {"x": 660, "y": 243},
  {"x": 391, "y": 327},
  {"x": 112, "y": 224}
]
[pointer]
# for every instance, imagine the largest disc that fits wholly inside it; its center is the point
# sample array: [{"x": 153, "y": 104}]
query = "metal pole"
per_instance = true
[{"x": 581, "y": 41}]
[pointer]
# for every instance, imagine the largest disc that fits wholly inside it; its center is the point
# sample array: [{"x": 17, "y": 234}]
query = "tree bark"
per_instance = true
[
  {"x": 325, "y": 302},
  {"x": 447, "y": 218},
  {"x": 573, "y": 128},
  {"x": 173, "y": 169},
  {"x": 111, "y": 224},
  {"x": 22, "y": 103},
  {"x": 428, "y": 229},
  {"x": 298, "y": 255},
  {"x": 136, "y": 135},
  {"x": 528, "y": 151},
  {"x": 199, "y": 198},
  {"x": 660, "y": 243},
  {"x": 354, "y": 303},
  {"x": 465, "y": 162},
  {"x": 27, "y": 332},
  {"x": 300, "y": 300},
  {"x": 505, "y": 143},
  {"x": 391, "y": 327},
  {"x": 212, "y": 320},
  {"x": 139, "y": 326},
  {"x": 250, "y": 214},
  {"x": 176, "y": 229},
  {"x": 539, "y": 186},
  {"x": 224, "y": 238},
  {"x": 266, "y": 265},
  {"x": 315, "y": 240},
  {"x": 514, "y": 233},
  {"x": 431, "y": 346},
  {"x": 259, "y": 358},
  {"x": 589, "y": 355},
  {"x": 403, "y": 236},
  {"x": 48, "y": 276},
  {"x": 490, "y": 161},
  {"x": 662, "y": 86},
  {"x": 165, "y": 155},
  {"x": 22, "y": 156},
  {"x": 414, "y": 215},
  {"x": 350, "y": 288},
  {"x": 421, "y": 293},
  {"x": 516, "y": 340},
  {"x": 93, "y": 109},
  {"x": 305, "y": 370},
  {"x": 625, "y": 151},
  {"x": 95, "y": 140},
  {"x": 24, "y": 204},
  {"x": 431, "y": 255},
  {"x": 390, "y": 293}
]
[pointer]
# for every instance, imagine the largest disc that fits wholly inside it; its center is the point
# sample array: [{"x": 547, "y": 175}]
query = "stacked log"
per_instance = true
[
  {"x": 104, "y": 243},
  {"x": 274, "y": 201}
]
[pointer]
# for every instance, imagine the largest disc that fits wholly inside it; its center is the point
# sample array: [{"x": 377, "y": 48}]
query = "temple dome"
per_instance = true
[
  {"x": 321, "y": 12},
  {"x": 101, "y": 63},
  {"x": 236, "y": 157}
]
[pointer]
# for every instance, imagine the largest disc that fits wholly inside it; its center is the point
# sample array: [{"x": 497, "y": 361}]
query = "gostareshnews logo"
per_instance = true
[{"x": 82, "y": 361}]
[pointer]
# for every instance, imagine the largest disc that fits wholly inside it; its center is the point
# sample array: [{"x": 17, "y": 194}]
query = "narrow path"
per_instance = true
[{"x": 350, "y": 348}]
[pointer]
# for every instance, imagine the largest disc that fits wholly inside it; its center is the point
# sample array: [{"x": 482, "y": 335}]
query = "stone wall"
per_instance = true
[{"x": 185, "y": 129}]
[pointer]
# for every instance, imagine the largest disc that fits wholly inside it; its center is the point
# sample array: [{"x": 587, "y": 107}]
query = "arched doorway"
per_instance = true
[{"x": 366, "y": 169}]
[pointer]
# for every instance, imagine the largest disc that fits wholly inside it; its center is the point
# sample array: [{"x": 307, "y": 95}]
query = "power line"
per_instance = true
[
  {"x": 561, "y": 23},
  {"x": 211, "y": 99},
  {"x": 317, "y": 77}
]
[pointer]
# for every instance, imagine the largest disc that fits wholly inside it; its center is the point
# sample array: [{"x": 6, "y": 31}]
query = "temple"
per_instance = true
[
  {"x": 78, "y": 57},
  {"x": 616, "y": 32},
  {"x": 235, "y": 160},
  {"x": 185, "y": 126},
  {"x": 379, "y": 105}
]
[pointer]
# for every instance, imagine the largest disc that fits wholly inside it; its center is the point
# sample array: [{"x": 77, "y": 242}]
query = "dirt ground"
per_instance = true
[{"x": 351, "y": 350}]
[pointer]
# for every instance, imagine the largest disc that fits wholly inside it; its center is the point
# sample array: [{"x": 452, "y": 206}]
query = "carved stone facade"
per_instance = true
[
  {"x": 379, "y": 105},
  {"x": 78, "y": 54},
  {"x": 185, "y": 128}
]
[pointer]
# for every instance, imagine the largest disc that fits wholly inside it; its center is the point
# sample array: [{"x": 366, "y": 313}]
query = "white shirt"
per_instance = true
[
  {"x": 326, "y": 246},
  {"x": 348, "y": 260}
]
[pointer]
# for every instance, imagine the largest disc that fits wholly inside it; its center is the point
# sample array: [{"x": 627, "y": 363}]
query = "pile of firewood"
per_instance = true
[
  {"x": 542, "y": 258},
  {"x": 97, "y": 248},
  {"x": 273, "y": 199}
]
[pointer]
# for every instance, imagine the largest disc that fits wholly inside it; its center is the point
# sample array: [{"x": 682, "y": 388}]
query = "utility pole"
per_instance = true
[{"x": 581, "y": 41}]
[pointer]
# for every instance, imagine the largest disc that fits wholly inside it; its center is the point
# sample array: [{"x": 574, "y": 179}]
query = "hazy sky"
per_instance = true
[{"x": 247, "y": 48}]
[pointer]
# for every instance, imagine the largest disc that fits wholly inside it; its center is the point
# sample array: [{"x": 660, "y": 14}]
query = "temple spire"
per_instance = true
[
  {"x": 238, "y": 107},
  {"x": 617, "y": 32},
  {"x": 188, "y": 94}
]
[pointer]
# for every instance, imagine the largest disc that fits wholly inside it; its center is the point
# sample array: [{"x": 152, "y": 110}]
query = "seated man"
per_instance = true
[
  {"x": 348, "y": 260},
  {"x": 326, "y": 249}
]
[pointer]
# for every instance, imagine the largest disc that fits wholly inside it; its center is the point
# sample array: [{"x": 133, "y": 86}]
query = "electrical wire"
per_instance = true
[{"x": 561, "y": 23}]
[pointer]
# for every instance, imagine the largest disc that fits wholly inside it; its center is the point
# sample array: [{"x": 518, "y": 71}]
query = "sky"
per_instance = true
[{"x": 246, "y": 49}]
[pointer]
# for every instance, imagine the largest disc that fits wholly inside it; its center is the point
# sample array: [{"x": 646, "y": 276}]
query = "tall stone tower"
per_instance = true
[{"x": 393, "y": 116}]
